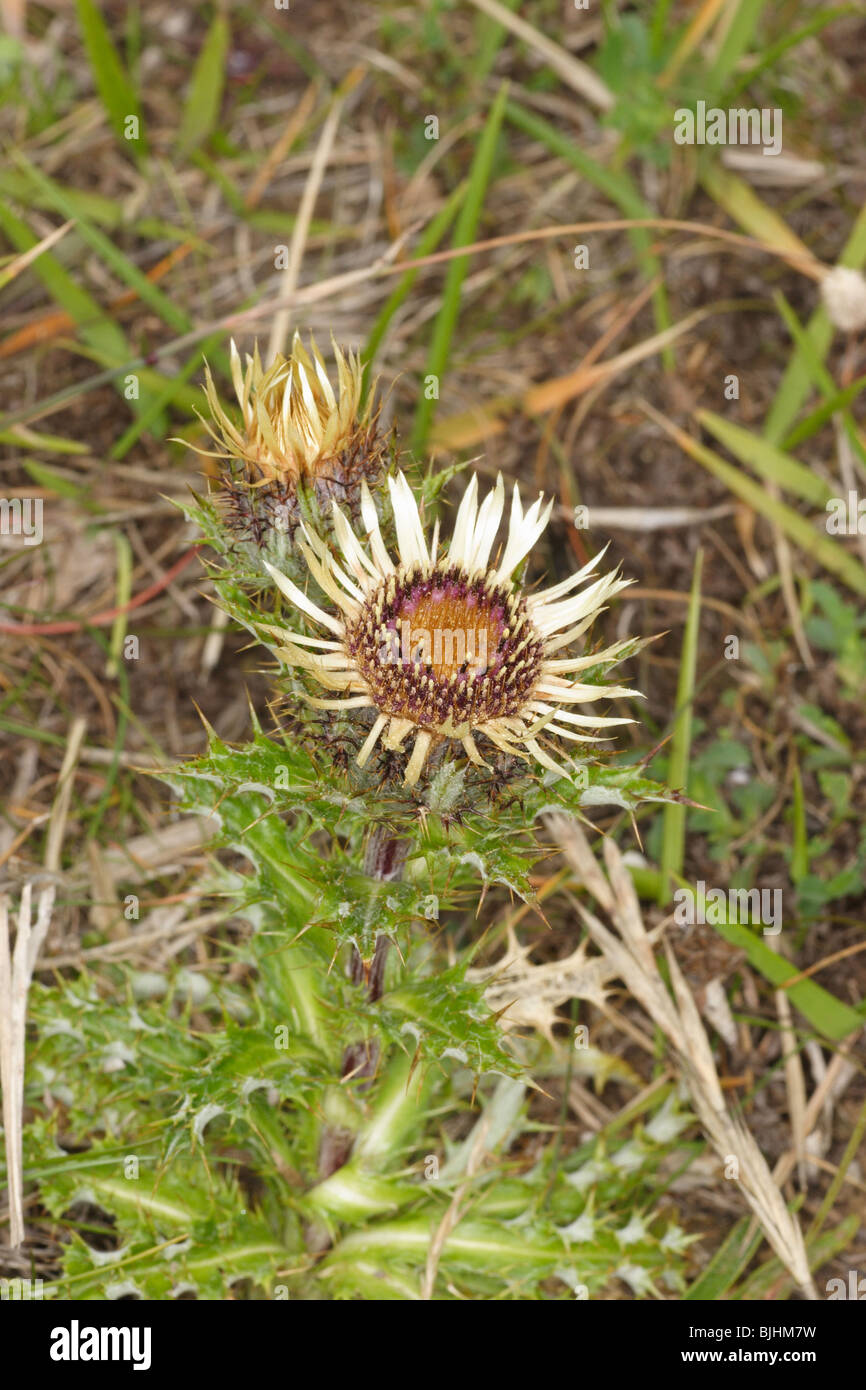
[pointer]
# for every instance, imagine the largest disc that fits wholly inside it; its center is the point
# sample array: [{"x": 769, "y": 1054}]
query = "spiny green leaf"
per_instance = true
[{"x": 444, "y": 1017}]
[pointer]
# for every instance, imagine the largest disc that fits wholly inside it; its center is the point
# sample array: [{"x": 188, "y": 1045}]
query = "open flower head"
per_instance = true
[
  {"x": 441, "y": 642},
  {"x": 299, "y": 445}
]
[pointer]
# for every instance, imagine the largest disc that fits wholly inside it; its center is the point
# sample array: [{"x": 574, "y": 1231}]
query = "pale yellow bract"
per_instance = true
[{"x": 293, "y": 419}]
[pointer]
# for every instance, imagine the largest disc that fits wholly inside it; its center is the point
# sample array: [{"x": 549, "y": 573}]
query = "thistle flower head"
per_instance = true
[
  {"x": 300, "y": 444},
  {"x": 292, "y": 417},
  {"x": 441, "y": 642}
]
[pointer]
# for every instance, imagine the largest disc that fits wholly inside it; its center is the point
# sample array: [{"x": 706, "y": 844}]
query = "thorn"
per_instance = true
[
  {"x": 209, "y": 728},
  {"x": 258, "y": 820},
  {"x": 254, "y": 718},
  {"x": 415, "y": 1060}
]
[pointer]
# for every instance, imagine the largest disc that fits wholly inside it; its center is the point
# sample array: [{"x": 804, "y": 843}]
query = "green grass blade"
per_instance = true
[
  {"x": 464, "y": 235},
  {"x": 204, "y": 98},
  {"x": 772, "y": 1281},
  {"x": 489, "y": 38},
  {"x": 124, "y": 268},
  {"x": 616, "y": 186},
  {"x": 659, "y": 29},
  {"x": 30, "y": 731},
  {"x": 18, "y": 187},
  {"x": 820, "y": 545},
  {"x": 839, "y": 400},
  {"x": 851, "y": 1149},
  {"x": 95, "y": 326},
  {"x": 739, "y": 35},
  {"x": 745, "y": 207},
  {"x": 187, "y": 397},
  {"x": 800, "y": 844},
  {"x": 770, "y": 55},
  {"x": 433, "y": 234},
  {"x": 820, "y": 377},
  {"x": 726, "y": 1266},
  {"x": 812, "y": 360},
  {"x": 829, "y": 1015},
  {"x": 123, "y": 594},
  {"x": 674, "y": 816},
  {"x": 768, "y": 461},
  {"x": 58, "y": 482},
  {"x": 171, "y": 395},
  {"x": 22, "y": 438},
  {"x": 794, "y": 387},
  {"x": 115, "y": 89}
]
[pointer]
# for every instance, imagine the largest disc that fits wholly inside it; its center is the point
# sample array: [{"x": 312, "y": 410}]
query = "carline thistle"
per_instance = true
[{"x": 440, "y": 642}]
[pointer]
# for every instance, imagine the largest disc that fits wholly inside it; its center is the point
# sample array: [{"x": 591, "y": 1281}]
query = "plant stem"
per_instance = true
[{"x": 384, "y": 858}]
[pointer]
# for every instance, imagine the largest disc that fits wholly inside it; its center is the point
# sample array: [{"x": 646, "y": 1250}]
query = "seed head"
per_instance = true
[{"x": 299, "y": 446}]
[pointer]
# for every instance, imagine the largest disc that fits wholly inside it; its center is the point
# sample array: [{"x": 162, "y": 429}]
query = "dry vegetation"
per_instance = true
[{"x": 309, "y": 133}]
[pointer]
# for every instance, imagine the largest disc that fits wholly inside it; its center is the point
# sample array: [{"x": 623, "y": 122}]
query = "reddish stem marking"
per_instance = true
[{"x": 101, "y": 619}]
